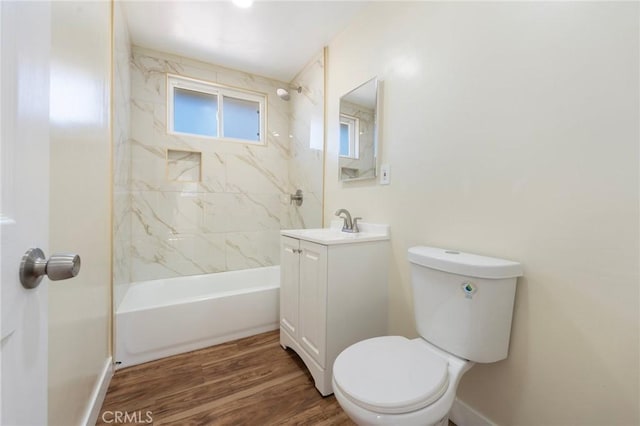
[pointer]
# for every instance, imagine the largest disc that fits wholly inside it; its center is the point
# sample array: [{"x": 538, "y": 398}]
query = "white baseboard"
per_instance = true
[
  {"x": 463, "y": 415},
  {"x": 97, "y": 396}
]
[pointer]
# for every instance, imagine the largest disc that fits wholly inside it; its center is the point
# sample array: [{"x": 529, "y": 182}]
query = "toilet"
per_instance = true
[{"x": 463, "y": 307}]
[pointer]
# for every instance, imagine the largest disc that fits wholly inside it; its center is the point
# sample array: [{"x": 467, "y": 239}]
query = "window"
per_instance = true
[
  {"x": 349, "y": 136},
  {"x": 209, "y": 110}
]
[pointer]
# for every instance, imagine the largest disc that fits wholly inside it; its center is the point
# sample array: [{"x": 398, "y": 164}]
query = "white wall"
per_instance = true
[
  {"x": 512, "y": 131},
  {"x": 80, "y": 188}
]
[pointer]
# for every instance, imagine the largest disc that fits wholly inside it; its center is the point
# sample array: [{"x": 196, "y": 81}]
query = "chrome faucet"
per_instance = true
[{"x": 349, "y": 225}]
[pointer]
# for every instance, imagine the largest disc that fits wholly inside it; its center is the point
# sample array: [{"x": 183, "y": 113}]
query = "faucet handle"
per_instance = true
[{"x": 355, "y": 224}]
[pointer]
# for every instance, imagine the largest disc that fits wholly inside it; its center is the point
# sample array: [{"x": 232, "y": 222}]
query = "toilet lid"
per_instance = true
[{"x": 391, "y": 374}]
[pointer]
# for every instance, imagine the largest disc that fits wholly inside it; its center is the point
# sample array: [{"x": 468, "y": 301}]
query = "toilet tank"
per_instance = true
[{"x": 464, "y": 302}]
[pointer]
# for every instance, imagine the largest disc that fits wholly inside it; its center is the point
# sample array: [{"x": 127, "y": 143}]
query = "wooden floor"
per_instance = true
[{"x": 252, "y": 381}]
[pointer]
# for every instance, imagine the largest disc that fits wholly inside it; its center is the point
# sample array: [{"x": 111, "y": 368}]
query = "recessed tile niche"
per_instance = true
[{"x": 184, "y": 166}]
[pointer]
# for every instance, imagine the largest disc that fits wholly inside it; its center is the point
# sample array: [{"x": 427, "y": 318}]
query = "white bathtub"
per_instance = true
[{"x": 165, "y": 317}]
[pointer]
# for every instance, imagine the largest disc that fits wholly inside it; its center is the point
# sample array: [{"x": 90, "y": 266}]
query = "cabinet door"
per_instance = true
[
  {"x": 289, "y": 276},
  {"x": 313, "y": 300}
]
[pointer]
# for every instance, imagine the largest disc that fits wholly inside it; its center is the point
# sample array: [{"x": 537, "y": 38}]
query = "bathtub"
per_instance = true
[{"x": 165, "y": 317}]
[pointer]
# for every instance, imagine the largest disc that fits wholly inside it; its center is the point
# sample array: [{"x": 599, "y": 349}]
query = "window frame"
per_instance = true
[
  {"x": 220, "y": 91},
  {"x": 353, "y": 124}
]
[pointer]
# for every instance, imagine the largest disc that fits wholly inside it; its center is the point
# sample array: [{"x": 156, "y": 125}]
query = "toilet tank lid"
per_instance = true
[{"x": 467, "y": 264}]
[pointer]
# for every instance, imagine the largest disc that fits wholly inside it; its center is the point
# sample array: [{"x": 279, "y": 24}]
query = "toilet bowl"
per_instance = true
[
  {"x": 392, "y": 380},
  {"x": 463, "y": 305}
]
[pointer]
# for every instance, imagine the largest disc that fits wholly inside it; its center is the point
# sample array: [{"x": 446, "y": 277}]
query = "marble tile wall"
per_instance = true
[
  {"x": 230, "y": 219},
  {"x": 307, "y": 143},
  {"x": 121, "y": 157}
]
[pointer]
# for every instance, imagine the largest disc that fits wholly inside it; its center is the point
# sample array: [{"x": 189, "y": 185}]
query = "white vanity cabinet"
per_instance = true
[
  {"x": 333, "y": 293},
  {"x": 303, "y": 295}
]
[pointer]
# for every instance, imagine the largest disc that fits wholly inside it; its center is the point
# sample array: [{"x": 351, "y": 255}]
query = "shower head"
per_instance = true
[{"x": 284, "y": 93}]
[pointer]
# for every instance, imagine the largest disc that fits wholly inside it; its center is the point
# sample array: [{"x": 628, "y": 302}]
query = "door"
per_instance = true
[
  {"x": 313, "y": 300},
  {"x": 24, "y": 211},
  {"x": 289, "y": 277}
]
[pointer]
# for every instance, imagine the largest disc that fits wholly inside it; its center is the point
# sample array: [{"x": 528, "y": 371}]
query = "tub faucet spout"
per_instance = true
[{"x": 348, "y": 223}]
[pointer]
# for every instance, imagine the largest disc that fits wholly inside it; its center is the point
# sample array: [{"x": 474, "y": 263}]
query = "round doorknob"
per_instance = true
[
  {"x": 34, "y": 266},
  {"x": 62, "y": 266}
]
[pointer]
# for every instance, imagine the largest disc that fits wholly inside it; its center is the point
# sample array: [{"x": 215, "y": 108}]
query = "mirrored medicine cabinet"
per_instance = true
[{"x": 359, "y": 132}]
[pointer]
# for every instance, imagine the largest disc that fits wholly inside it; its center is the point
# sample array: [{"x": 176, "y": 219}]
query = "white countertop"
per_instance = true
[{"x": 334, "y": 235}]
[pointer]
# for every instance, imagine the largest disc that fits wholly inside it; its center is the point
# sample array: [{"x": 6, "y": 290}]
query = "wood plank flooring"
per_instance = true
[{"x": 252, "y": 381}]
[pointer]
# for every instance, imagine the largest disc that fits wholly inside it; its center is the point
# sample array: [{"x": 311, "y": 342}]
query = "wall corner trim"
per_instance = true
[
  {"x": 90, "y": 416},
  {"x": 463, "y": 414}
]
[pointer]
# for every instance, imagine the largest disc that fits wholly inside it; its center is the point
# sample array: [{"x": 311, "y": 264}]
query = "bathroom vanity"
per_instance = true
[{"x": 333, "y": 293}]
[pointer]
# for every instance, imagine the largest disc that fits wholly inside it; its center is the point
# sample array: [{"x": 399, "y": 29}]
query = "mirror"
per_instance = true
[{"x": 359, "y": 132}]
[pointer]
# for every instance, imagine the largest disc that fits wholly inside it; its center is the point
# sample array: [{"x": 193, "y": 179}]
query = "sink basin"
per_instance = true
[{"x": 334, "y": 234}]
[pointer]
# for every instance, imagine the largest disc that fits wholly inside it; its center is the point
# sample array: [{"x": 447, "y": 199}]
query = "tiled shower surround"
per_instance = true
[{"x": 201, "y": 205}]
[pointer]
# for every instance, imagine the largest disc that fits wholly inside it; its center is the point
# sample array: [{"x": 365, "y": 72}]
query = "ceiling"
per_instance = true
[{"x": 271, "y": 38}]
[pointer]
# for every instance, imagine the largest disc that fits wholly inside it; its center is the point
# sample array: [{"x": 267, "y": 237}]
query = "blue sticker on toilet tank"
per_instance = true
[{"x": 469, "y": 289}]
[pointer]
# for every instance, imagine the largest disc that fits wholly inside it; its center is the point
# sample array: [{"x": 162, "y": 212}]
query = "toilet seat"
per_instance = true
[{"x": 391, "y": 374}]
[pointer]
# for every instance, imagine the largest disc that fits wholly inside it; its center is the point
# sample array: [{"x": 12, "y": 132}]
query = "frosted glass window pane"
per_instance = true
[
  {"x": 344, "y": 140},
  {"x": 195, "y": 112},
  {"x": 241, "y": 119}
]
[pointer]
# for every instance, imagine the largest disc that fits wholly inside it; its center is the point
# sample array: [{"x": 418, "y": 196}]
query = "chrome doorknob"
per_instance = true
[{"x": 34, "y": 266}]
